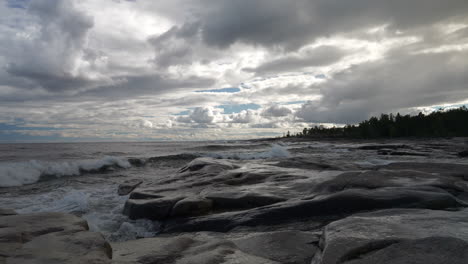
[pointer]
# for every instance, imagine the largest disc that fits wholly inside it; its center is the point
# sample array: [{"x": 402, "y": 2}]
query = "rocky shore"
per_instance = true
[{"x": 293, "y": 210}]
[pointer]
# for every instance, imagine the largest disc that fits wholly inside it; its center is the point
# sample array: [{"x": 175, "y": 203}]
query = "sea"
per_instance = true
[{"x": 83, "y": 178}]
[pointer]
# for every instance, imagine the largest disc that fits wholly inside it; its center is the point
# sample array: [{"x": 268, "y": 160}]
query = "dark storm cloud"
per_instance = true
[
  {"x": 135, "y": 86},
  {"x": 395, "y": 84},
  {"x": 48, "y": 59},
  {"x": 321, "y": 56},
  {"x": 292, "y": 23}
]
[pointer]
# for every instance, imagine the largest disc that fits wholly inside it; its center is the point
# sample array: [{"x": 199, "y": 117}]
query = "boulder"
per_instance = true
[
  {"x": 430, "y": 250},
  {"x": 192, "y": 206},
  {"x": 321, "y": 208},
  {"x": 33, "y": 225},
  {"x": 145, "y": 194},
  {"x": 50, "y": 238},
  {"x": 209, "y": 165},
  {"x": 287, "y": 247},
  {"x": 61, "y": 247},
  {"x": 396, "y": 236},
  {"x": 128, "y": 186},
  {"x": 291, "y": 247},
  {"x": 154, "y": 209},
  {"x": 241, "y": 200}
]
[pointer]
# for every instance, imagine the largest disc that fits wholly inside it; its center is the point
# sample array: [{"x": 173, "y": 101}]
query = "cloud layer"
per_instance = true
[{"x": 206, "y": 69}]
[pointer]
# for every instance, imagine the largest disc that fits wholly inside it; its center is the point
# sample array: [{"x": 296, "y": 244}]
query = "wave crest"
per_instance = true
[{"x": 21, "y": 173}]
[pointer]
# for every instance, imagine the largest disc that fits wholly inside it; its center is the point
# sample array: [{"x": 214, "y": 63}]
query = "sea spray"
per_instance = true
[{"x": 21, "y": 173}]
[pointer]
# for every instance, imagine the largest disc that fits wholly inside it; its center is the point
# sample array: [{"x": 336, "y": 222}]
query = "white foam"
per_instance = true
[
  {"x": 21, "y": 173},
  {"x": 276, "y": 151},
  {"x": 73, "y": 202},
  {"x": 134, "y": 229}
]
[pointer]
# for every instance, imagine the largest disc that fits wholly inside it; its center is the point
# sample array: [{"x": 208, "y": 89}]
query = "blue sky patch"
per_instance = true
[
  {"x": 237, "y": 108},
  {"x": 223, "y": 90},
  {"x": 22, "y": 4},
  {"x": 295, "y": 102}
]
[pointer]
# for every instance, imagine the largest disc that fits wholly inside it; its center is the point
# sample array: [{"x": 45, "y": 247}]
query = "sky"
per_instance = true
[{"x": 110, "y": 70}]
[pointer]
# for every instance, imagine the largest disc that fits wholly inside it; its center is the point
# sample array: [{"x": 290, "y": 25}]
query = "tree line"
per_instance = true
[{"x": 442, "y": 123}]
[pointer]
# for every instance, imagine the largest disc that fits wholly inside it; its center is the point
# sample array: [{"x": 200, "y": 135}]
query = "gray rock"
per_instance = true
[
  {"x": 61, "y": 247},
  {"x": 33, "y": 225},
  {"x": 430, "y": 250},
  {"x": 364, "y": 237},
  {"x": 293, "y": 247},
  {"x": 324, "y": 207},
  {"x": 287, "y": 247},
  {"x": 145, "y": 194},
  {"x": 241, "y": 200},
  {"x": 209, "y": 165},
  {"x": 192, "y": 206},
  {"x": 154, "y": 209},
  {"x": 50, "y": 238},
  {"x": 128, "y": 186}
]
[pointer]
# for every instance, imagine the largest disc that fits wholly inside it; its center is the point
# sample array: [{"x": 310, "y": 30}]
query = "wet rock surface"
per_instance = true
[
  {"x": 50, "y": 238},
  {"x": 128, "y": 186},
  {"x": 397, "y": 236},
  {"x": 325, "y": 202},
  {"x": 307, "y": 209}
]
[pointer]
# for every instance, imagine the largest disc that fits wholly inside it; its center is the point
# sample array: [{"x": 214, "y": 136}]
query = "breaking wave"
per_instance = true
[{"x": 21, "y": 173}]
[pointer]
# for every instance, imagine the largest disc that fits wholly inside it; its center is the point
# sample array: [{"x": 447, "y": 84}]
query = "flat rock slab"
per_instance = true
[
  {"x": 290, "y": 247},
  {"x": 330, "y": 206},
  {"x": 395, "y": 236},
  {"x": 50, "y": 238},
  {"x": 241, "y": 200},
  {"x": 154, "y": 209}
]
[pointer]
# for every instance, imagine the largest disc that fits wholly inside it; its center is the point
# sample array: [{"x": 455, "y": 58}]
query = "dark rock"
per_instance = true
[
  {"x": 209, "y": 165},
  {"x": 384, "y": 178},
  {"x": 50, "y": 238},
  {"x": 5, "y": 212},
  {"x": 430, "y": 250},
  {"x": 137, "y": 162},
  {"x": 290, "y": 247},
  {"x": 305, "y": 163},
  {"x": 192, "y": 206},
  {"x": 429, "y": 167},
  {"x": 328, "y": 206},
  {"x": 145, "y": 194},
  {"x": 400, "y": 153},
  {"x": 463, "y": 154},
  {"x": 403, "y": 235},
  {"x": 154, "y": 209},
  {"x": 241, "y": 200},
  {"x": 384, "y": 146},
  {"x": 128, "y": 186}
]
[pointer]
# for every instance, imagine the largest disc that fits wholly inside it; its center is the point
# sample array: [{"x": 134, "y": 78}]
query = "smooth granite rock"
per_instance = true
[
  {"x": 397, "y": 234},
  {"x": 293, "y": 247},
  {"x": 192, "y": 206},
  {"x": 50, "y": 238},
  {"x": 154, "y": 209}
]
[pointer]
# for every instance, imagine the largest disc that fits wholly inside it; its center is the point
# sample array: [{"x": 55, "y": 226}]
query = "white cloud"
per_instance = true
[{"x": 116, "y": 69}]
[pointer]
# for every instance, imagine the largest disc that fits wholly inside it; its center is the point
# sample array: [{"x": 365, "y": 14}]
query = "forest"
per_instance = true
[{"x": 441, "y": 123}]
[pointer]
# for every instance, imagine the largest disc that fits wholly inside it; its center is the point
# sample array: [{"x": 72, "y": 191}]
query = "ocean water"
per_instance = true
[{"x": 83, "y": 178}]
